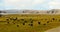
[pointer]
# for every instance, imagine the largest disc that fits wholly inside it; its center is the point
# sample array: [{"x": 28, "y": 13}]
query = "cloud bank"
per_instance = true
[
  {"x": 22, "y": 4},
  {"x": 54, "y": 4},
  {"x": 30, "y": 4}
]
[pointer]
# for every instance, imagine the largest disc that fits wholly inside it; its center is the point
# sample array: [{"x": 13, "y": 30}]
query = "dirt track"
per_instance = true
[{"x": 57, "y": 29}]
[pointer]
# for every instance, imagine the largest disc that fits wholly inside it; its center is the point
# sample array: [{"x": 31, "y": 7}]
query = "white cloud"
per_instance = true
[
  {"x": 35, "y": 2},
  {"x": 22, "y": 3},
  {"x": 55, "y": 4},
  {"x": 17, "y": 3}
]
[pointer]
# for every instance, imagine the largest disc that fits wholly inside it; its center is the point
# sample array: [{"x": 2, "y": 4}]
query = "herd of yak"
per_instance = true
[{"x": 8, "y": 19}]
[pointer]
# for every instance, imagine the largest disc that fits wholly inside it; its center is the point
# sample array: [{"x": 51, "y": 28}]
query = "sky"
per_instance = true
[{"x": 29, "y": 4}]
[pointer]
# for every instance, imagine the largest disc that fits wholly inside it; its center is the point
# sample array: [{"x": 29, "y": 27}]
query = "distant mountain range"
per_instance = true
[{"x": 53, "y": 11}]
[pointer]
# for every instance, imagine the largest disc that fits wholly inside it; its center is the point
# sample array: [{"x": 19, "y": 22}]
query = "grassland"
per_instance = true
[{"x": 28, "y": 22}]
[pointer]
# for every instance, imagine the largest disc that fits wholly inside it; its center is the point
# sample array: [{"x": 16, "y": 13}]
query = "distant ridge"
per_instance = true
[{"x": 53, "y": 11}]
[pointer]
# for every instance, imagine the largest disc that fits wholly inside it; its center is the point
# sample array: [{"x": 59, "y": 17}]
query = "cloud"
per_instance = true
[
  {"x": 22, "y": 3},
  {"x": 55, "y": 4},
  {"x": 35, "y": 2},
  {"x": 30, "y": 4}
]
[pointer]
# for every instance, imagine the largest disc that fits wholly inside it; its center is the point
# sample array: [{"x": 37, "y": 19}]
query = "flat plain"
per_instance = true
[{"x": 28, "y": 22}]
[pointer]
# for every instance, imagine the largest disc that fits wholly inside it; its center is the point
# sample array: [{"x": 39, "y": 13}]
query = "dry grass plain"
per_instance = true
[{"x": 28, "y": 22}]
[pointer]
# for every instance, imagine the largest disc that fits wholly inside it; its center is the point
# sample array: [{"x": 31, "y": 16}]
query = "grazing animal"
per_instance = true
[
  {"x": 31, "y": 24},
  {"x": 18, "y": 20},
  {"x": 7, "y": 19},
  {"x": 13, "y": 23},
  {"x": 17, "y": 25},
  {"x": 44, "y": 24},
  {"x": 53, "y": 18},
  {"x": 23, "y": 23},
  {"x": 22, "y": 19},
  {"x": 47, "y": 21},
  {"x": 38, "y": 22},
  {"x": 8, "y": 22},
  {"x": 59, "y": 19},
  {"x": 31, "y": 21}
]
